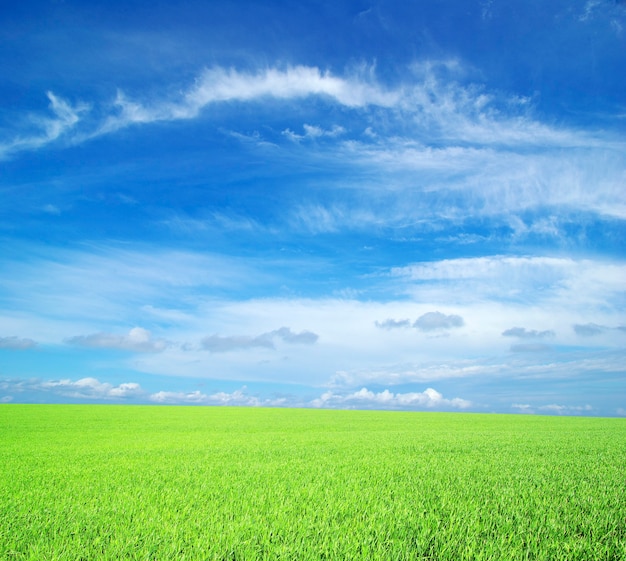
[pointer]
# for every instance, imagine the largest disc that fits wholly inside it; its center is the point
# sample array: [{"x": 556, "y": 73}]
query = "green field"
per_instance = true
[{"x": 142, "y": 482}]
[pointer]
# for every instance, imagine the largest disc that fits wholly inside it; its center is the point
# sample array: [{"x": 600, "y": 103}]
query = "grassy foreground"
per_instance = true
[{"x": 141, "y": 482}]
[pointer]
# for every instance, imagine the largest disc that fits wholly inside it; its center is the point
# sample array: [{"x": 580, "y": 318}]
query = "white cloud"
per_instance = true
[
  {"x": 86, "y": 388},
  {"x": 219, "y": 85},
  {"x": 179, "y": 397},
  {"x": 523, "y": 408},
  {"x": 319, "y": 219},
  {"x": 566, "y": 409},
  {"x": 312, "y": 132},
  {"x": 238, "y": 397},
  {"x": 462, "y": 150},
  {"x": 48, "y": 129},
  {"x": 552, "y": 409},
  {"x": 183, "y": 299},
  {"x": 569, "y": 282},
  {"x": 445, "y": 178},
  {"x": 541, "y": 363},
  {"x": 533, "y": 268},
  {"x": 137, "y": 340},
  {"x": 427, "y": 371},
  {"x": 436, "y": 106},
  {"x": 385, "y": 399}
]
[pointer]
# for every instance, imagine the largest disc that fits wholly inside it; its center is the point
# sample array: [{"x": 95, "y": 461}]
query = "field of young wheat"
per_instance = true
[{"x": 140, "y": 482}]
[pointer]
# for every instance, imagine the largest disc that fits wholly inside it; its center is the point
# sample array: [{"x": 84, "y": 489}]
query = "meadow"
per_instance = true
[{"x": 87, "y": 482}]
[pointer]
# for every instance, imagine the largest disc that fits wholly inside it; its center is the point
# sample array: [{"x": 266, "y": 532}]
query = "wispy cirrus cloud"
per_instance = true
[
  {"x": 459, "y": 137},
  {"x": 432, "y": 102},
  {"x": 411, "y": 373},
  {"x": 312, "y": 132},
  {"x": 516, "y": 278},
  {"x": 219, "y": 85},
  {"x": 101, "y": 281},
  {"x": 43, "y": 130}
]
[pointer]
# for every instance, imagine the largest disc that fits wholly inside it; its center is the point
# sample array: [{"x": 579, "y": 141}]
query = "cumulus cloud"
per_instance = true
[
  {"x": 178, "y": 397},
  {"x": 238, "y": 397},
  {"x": 16, "y": 343},
  {"x": 84, "y": 388},
  {"x": 523, "y": 333},
  {"x": 137, "y": 340},
  {"x": 217, "y": 343},
  {"x": 92, "y": 388},
  {"x": 364, "y": 398},
  {"x": 432, "y": 321}
]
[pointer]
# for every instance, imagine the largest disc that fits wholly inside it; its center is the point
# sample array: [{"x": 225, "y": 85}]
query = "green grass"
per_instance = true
[{"x": 139, "y": 482}]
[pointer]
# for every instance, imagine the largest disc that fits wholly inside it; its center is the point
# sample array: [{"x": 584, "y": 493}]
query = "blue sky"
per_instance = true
[{"x": 368, "y": 204}]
